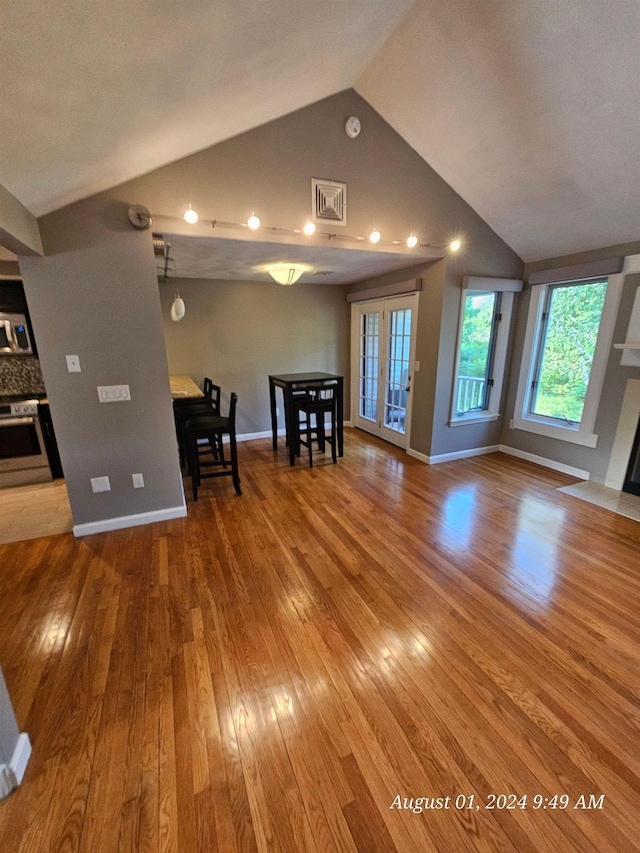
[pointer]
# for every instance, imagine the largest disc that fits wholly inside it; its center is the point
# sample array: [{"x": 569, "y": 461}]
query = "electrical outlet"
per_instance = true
[
  {"x": 100, "y": 484},
  {"x": 73, "y": 363},
  {"x": 113, "y": 393},
  {"x": 138, "y": 481},
  {"x": 417, "y": 366}
]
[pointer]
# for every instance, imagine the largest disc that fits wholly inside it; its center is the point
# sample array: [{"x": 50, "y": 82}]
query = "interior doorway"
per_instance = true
[{"x": 382, "y": 362}]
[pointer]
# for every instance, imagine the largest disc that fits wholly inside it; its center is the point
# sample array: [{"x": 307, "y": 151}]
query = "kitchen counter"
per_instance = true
[{"x": 182, "y": 385}]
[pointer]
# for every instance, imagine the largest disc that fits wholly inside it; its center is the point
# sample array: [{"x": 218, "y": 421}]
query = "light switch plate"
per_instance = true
[
  {"x": 73, "y": 363},
  {"x": 113, "y": 393},
  {"x": 138, "y": 481},
  {"x": 100, "y": 484}
]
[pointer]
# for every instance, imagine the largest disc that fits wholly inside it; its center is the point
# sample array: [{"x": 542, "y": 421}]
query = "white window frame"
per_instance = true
[
  {"x": 492, "y": 412},
  {"x": 523, "y": 418}
]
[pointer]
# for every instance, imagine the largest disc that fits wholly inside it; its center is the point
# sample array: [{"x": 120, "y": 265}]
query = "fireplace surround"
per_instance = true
[
  {"x": 625, "y": 435},
  {"x": 632, "y": 477}
]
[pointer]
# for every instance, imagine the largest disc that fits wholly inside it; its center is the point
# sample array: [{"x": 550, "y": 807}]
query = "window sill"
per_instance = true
[
  {"x": 562, "y": 433},
  {"x": 476, "y": 418}
]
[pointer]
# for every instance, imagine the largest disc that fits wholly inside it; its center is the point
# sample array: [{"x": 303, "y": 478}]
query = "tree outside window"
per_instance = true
[{"x": 567, "y": 341}]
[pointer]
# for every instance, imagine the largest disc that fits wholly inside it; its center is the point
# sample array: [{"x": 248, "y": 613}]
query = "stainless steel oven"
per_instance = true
[{"x": 23, "y": 457}]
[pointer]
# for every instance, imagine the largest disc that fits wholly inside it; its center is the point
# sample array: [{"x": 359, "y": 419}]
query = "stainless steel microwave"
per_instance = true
[{"x": 14, "y": 335}]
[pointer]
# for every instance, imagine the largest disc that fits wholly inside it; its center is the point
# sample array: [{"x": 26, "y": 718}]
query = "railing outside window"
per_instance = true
[{"x": 470, "y": 394}]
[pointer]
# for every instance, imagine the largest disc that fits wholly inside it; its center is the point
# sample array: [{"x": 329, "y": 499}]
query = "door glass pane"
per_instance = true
[
  {"x": 398, "y": 348},
  {"x": 568, "y": 340},
  {"x": 476, "y": 347},
  {"x": 369, "y": 365}
]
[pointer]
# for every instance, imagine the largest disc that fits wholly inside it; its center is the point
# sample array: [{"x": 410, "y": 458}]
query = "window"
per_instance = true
[
  {"x": 564, "y": 358},
  {"x": 482, "y": 343},
  {"x": 568, "y": 332}
]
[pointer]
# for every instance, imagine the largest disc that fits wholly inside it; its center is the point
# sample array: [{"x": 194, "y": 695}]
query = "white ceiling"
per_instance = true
[
  {"x": 95, "y": 93},
  {"x": 244, "y": 260},
  {"x": 528, "y": 108}
]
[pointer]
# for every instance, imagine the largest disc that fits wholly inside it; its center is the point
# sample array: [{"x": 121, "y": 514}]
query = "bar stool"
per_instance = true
[
  {"x": 313, "y": 406},
  {"x": 212, "y": 393},
  {"x": 183, "y": 410},
  {"x": 190, "y": 407},
  {"x": 212, "y": 428}
]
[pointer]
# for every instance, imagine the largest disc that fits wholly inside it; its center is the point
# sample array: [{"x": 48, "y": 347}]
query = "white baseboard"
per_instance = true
[
  {"x": 107, "y": 524},
  {"x": 546, "y": 463},
  {"x": 250, "y": 436},
  {"x": 450, "y": 457},
  {"x": 417, "y": 455},
  {"x": 503, "y": 448},
  {"x": 12, "y": 774}
]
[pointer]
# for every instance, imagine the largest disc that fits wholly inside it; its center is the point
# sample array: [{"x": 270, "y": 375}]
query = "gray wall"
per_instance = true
[
  {"x": 96, "y": 285},
  {"x": 269, "y": 170},
  {"x": 594, "y": 460},
  {"x": 238, "y": 333},
  {"x": 9, "y": 731},
  {"x": 18, "y": 227},
  {"x": 100, "y": 302},
  {"x": 483, "y": 258}
]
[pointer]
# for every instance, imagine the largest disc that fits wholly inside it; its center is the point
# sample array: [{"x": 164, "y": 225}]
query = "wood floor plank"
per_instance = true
[{"x": 276, "y": 670}]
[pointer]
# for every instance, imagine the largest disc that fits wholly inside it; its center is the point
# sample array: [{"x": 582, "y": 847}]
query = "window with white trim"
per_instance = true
[
  {"x": 483, "y": 333},
  {"x": 566, "y": 347}
]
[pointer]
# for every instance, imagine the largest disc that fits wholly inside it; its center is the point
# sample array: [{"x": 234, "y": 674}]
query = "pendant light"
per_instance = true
[{"x": 177, "y": 308}]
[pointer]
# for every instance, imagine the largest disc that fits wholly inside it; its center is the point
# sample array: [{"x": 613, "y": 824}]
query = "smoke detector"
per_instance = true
[{"x": 352, "y": 127}]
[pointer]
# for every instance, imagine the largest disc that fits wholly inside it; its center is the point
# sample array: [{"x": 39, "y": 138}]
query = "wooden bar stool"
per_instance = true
[
  {"x": 212, "y": 428},
  {"x": 313, "y": 406},
  {"x": 184, "y": 410}
]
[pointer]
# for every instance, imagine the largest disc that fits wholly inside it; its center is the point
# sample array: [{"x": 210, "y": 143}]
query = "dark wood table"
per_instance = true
[{"x": 289, "y": 382}]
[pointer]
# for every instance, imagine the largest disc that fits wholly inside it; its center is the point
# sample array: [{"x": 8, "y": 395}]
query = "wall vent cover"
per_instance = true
[{"x": 329, "y": 201}]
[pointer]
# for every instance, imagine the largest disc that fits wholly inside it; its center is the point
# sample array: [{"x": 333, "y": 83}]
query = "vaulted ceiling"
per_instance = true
[{"x": 527, "y": 108}]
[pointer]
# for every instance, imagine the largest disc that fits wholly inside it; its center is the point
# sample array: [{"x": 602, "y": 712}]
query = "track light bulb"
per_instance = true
[
  {"x": 253, "y": 222},
  {"x": 454, "y": 245},
  {"x": 375, "y": 236},
  {"x": 412, "y": 241},
  {"x": 309, "y": 228},
  {"x": 190, "y": 216}
]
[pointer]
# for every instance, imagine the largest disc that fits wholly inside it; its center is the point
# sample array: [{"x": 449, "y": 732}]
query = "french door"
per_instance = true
[{"x": 382, "y": 360}]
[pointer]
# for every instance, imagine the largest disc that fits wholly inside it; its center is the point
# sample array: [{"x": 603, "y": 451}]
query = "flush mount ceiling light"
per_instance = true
[
  {"x": 309, "y": 228},
  {"x": 375, "y": 235},
  {"x": 412, "y": 241},
  {"x": 286, "y": 274},
  {"x": 253, "y": 222},
  {"x": 190, "y": 216},
  {"x": 454, "y": 245}
]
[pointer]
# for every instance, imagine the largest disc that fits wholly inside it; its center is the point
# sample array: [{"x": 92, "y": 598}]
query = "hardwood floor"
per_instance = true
[
  {"x": 34, "y": 510},
  {"x": 276, "y": 670}
]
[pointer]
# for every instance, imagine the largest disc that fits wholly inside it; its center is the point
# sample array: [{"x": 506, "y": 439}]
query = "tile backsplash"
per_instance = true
[{"x": 20, "y": 375}]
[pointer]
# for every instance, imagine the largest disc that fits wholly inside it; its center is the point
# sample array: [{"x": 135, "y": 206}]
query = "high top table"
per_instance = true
[{"x": 289, "y": 382}]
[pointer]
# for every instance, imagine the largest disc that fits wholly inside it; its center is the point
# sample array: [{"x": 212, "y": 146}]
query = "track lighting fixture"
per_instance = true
[{"x": 190, "y": 216}]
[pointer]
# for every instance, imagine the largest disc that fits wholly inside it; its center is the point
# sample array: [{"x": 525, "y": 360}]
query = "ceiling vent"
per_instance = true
[
  {"x": 158, "y": 245},
  {"x": 329, "y": 201}
]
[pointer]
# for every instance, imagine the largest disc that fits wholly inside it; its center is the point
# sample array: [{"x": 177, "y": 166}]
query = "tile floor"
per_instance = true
[
  {"x": 39, "y": 509},
  {"x": 603, "y": 496}
]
